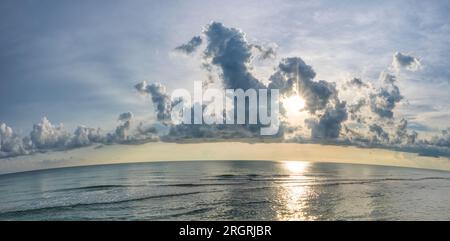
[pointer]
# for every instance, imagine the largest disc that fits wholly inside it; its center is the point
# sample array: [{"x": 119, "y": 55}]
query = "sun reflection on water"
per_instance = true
[
  {"x": 294, "y": 195},
  {"x": 295, "y": 166}
]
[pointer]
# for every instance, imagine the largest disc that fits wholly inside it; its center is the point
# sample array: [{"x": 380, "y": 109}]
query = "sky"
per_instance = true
[{"x": 77, "y": 63}]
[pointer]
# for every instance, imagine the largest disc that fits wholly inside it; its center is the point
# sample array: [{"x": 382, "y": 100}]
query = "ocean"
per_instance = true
[{"x": 226, "y": 190}]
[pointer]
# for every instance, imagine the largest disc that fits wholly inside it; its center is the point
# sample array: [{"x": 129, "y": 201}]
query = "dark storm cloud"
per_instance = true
[
  {"x": 285, "y": 86},
  {"x": 190, "y": 46},
  {"x": 329, "y": 124},
  {"x": 228, "y": 49}
]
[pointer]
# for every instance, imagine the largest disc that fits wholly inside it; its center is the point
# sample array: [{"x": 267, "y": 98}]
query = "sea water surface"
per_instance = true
[{"x": 226, "y": 190}]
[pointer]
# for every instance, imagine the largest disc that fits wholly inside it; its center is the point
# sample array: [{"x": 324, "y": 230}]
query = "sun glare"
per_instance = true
[
  {"x": 294, "y": 104},
  {"x": 295, "y": 166}
]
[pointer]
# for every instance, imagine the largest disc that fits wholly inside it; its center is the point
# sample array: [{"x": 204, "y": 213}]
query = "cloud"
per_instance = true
[
  {"x": 355, "y": 109},
  {"x": 131, "y": 131},
  {"x": 403, "y": 61},
  {"x": 383, "y": 101},
  {"x": 329, "y": 124},
  {"x": 121, "y": 133},
  {"x": 295, "y": 76},
  {"x": 85, "y": 136},
  {"x": 404, "y": 136},
  {"x": 380, "y": 134},
  {"x": 228, "y": 49},
  {"x": 443, "y": 139},
  {"x": 369, "y": 119},
  {"x": 10, "y": 143},
  {"x": 265, "y": 52},
  {"x": 159, "y": 97},
  {"x": 356, "y": 82},
  {"x": 190, "y": 46},
  {"x": 125, "y": 116},
  {"x": 47, "y": 136}
]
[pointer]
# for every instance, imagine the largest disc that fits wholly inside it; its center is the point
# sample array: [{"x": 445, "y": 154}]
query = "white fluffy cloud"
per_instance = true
[
  {"x": 10, "y": 143},
  {"x": 45, "y": 135}
]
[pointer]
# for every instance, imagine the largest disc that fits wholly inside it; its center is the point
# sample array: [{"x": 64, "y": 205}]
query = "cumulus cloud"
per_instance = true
[
  {"x": 380, "y": 134},
  {"x": 6, "y": 132},
  {"x": 122, "y": 130},
  {"x": 357, "y": 82},
  {"x": 228, "y": 49},
  {"x": 47, "y": 136},
  {"x": 355, "y": 109},
  {"x": 403, "y": 61},
  {"x": 190, "y": 46},
  {"x": 329, "y": 124},
  {"x": 443, "y": 139},
  {"x": 159, "y": 97},
  {"x": 10, "y": 143},
  {"x": 384, "y": 100},
  {"x": 85, "y": 136},
  {"x": 125, "y": 116},
  {"x": 403, "y": 135},
  {"x": 294, "y": 75},
  {"x": 130, "y": 131}
]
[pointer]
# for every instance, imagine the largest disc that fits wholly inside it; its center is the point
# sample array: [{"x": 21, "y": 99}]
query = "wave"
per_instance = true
[
  {"x": 363, "y": 181},
  {"x": 94, "y": 187},
  {"x": 76, "y": 205},
  {"x": 235, "y": 175},
  {"x": 186, "y": 213},
  {"x": 286, "y": 178},
  {"x": 202, "y": 184}
]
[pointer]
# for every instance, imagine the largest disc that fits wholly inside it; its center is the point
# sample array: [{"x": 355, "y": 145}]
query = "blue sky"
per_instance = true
[{"x": 76, "y": 62}]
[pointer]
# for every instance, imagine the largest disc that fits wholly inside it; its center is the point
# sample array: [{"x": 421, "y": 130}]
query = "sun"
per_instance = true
[{"x": 293, "y": 103}]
